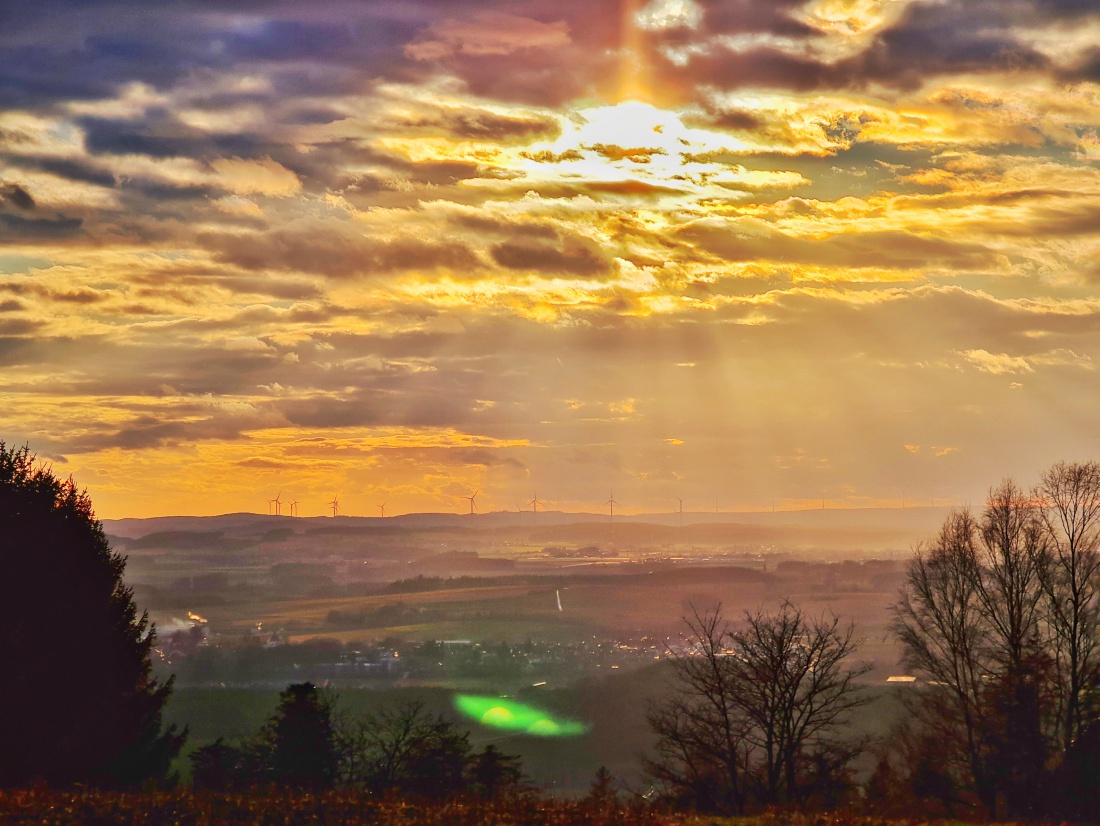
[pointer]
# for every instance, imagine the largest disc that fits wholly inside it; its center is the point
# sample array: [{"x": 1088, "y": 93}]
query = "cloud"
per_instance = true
[
  {"x": 337, "y": 252},
  {"x": 749, "y": 241},
  {"x": 488, "y": 34},
  {"x": 997, "y": 363},
  {"x": 1002, "y": 363},
  {"x": 14, "y": 196},
  {"x": 570, "y": 257},
  {"x": 420, "y": 235},
  {"x": 264, "y": 177}
]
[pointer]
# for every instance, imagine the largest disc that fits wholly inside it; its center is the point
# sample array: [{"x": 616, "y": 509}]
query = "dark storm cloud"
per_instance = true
[
  {"x": 286, "y": 288},
  {"x": 933, "y": 39},
  {"x": 870, "y": 249},
  {"x": 69, "y": 168},
  {"x": 733, "y": 119},
  {"x": 16, "y": 197},
  {"x": 475, "y": 124},
  {"x": 139, "y": 192},
  {"x": 930, "y": 39},
  {"x": 160, "y": 135},
  {"x": 1085, "y": 68},
  {"x": 15, "y": 229},
  {"x": 102, "y": 46},
  {"x": 753, "y": 16},
  {"x": 537, "y": 52},
  {"x": 572, "y": 257},
  {"x": 1065, "y": 220},
  {"x": 336, "y": 253},
  {"x": 151, "y": 431}
]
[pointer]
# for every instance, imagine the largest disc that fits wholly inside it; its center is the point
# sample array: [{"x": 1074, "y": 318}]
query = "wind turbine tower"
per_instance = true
[
  {"x": 335, "y": 505},
  {"x": 473, "y": 506},
  {"x": 612, "y": 503},
  {"x": 279, "y": 504},
  {"x": 293, "y": 507},
  {"x": 681, "y": 501},
  {"x": 534, "y": 503},
  {"x": 382, "y": 508}
]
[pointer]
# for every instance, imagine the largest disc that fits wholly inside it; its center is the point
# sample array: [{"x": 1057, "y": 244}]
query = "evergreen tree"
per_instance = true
[
  {"x": 300, "y": 739},
  {"x": 493, "y": 773},
  {"x": 78, "y": 702},
  {"x": 601, "y": 791}
]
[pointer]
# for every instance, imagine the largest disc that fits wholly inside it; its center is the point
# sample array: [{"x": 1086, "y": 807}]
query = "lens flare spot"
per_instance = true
[
  {"x": 544, "y": 728},
  {"x": 498, "y": 717},
  {"x": 520, "y": 718}
]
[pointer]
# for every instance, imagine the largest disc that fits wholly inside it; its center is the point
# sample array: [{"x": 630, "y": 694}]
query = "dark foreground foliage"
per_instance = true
[
  {"x": 282, "y": 808},
  {"x": 78, "y": 701}
]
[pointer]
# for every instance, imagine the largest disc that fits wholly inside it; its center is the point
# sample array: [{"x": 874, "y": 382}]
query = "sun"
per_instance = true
[
  {"x": 631, "y": 125},
  {"x": 642, "y": 147}
]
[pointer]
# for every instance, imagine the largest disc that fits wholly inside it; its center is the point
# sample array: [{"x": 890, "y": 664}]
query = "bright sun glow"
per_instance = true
[{"x": 640, "y": 144}]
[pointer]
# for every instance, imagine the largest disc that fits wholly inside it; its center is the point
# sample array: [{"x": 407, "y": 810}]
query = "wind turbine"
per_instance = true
[
  {"x": 473, "y": 506},
  {"x": 278, "y": 504},
  {"x": 534, "y": 503},
  {"x": 681, "y": 501},
  {"x": 612, "y": 503},
  {"x": 382, "y": 508},
  {"x": 294, "y": 508},
  {"x": 270, "y": 502},
  {"x": 335, "y": 503}
]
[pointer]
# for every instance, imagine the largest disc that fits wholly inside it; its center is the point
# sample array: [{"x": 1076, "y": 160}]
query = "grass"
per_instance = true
[
  {"x": 281, "y": 807},
  {"x": 44, "y": 807}
]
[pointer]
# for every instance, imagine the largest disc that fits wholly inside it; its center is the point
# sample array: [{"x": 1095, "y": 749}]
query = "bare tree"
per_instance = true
[
  {"x": 1071, "y": 514},
  {"x": 1012, "y": 553},
  {"x": 405, "y": 749},
  {"x": 759, "y": 708},
  {"x": 1011, "y": 556},
  {"x": 792, "y": 684},
  {"x": 1002, "y": 617},
  {"x": 939, "y": 621},
  {"x": 701, "y": 730}
]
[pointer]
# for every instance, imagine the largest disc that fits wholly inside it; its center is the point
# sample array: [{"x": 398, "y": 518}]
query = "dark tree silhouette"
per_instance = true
[
  {"x": 299, "y": 741},
  {"x": 222, "y": 766},
  {"x": 1070, "y": 497},
  {"x": 601, "y": 791},
  {"x": 77, "y": 699},
  {"x": 492, "y": 774},
  {"x": 759, "y": 709},
  {"x": 409, "y": 751},
  {"x": 939, "y": 621}
]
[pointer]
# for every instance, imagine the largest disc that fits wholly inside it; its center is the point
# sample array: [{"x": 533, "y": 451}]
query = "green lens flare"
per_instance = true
[{"x": 509, "y": 715}]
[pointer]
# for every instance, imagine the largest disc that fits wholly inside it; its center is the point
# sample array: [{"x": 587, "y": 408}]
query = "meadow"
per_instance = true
[{"x": 273, "y": 807}]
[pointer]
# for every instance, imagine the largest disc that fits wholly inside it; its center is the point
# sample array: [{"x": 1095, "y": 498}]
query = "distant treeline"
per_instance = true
[
  {"x": 384, "y": 616},
  {"x": 627, "y": 573}
]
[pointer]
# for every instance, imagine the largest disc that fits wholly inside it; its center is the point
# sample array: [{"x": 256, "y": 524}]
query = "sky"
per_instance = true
[{"x": 739, "y": 253}]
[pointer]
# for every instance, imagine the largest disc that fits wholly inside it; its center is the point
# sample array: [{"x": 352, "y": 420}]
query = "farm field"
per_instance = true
[
  {"x": 610, "y": 607},
  {"x": 613, "y": 708}
]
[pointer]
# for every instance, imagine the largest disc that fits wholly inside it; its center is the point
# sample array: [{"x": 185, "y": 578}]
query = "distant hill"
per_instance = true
[{"x": 866, "y": 529}]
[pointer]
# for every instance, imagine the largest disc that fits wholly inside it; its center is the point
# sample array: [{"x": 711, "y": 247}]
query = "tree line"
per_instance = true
[
  {"x": 404, "y": 751},
  {"x": 999, "y": 616}
]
